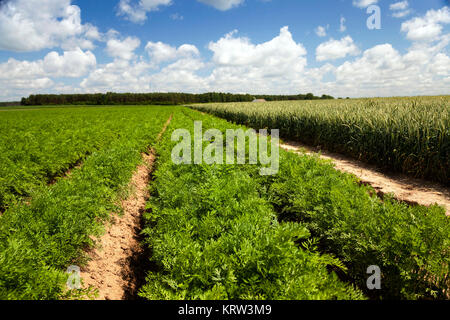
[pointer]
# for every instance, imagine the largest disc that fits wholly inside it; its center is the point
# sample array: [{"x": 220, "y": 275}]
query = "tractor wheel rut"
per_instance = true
[{"x": 117, "y": 264}]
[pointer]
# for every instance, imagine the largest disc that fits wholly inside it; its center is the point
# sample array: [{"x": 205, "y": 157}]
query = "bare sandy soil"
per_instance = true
[
  {"x": 412, "y": 191},
  {"x": 112, "y": 269}
]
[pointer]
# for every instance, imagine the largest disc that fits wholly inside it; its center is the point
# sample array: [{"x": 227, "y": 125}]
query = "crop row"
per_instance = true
[
  {"x": 39, "y": 145},
  {"x": 39, "y": 240},
  {"x": 409, "y": 135}
]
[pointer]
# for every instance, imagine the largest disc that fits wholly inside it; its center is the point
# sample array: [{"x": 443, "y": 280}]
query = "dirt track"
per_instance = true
[
  {"x": 115, "y": 263},
  {"x": 413, "y": 191}
]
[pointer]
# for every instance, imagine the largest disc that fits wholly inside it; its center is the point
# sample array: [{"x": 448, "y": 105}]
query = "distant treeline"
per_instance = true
[
  {"x": 155, "y": 98},
  {"x": 308, "y": 96},
  {"x": 10, "y": 104}
]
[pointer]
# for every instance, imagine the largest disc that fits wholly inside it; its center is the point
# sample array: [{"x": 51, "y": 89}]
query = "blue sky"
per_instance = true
[{"x": 255, "y": 46}]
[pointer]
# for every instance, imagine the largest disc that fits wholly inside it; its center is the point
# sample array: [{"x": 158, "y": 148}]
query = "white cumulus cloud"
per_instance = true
[
  {"x": 402, "y": 5},
  {"x": 161, "y": 52},
  {"x": 20, "y": 78},
  {"x": 122, "y": 49},
  {"x": 383, "y": 71},
  {"x": 118, "y": 76},
  {"x": 222, "y": 4},
  {"x": 336, "y": 49},
  {"x": 137, "y": 11},
  {"x": 31, "y": 25},
  {"x": 400, "y": 9},
  {"x": 241, "y": 66},
  {"x": 364, "y": 3},
  {"x": 71, "y": 64},
  {"x": 428, "y": 27}
]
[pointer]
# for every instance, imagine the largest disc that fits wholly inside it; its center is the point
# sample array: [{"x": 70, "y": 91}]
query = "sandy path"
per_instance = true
[
  {"x": 413, "y": 191},
  {"x": 112, "y": 268}
]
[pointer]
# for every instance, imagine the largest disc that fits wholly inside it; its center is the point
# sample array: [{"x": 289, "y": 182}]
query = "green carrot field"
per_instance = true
[{"x": 222, "y": 232}]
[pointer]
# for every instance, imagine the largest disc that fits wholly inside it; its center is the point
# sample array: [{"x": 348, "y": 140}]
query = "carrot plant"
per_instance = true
[
  {"x": 39, "y": 145},
  {"x": 410, "y": 244},
  {"x": 212, "y": 236},
  {"x": 39, "y": 240},
  {"x": 196, "y": 211}
]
